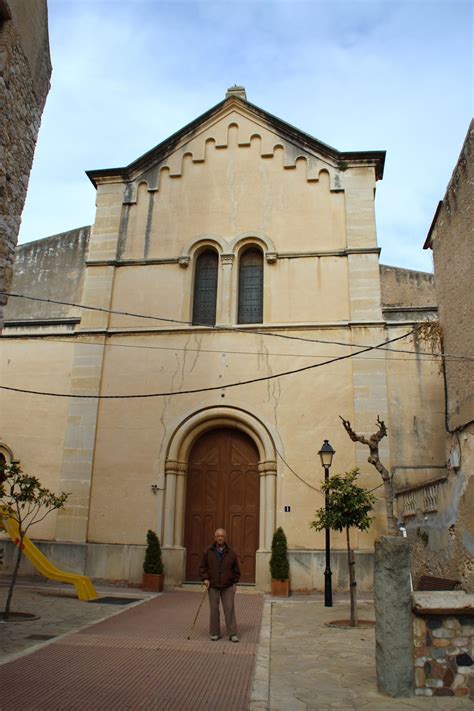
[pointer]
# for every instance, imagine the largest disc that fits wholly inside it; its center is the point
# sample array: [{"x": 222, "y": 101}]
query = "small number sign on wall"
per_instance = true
[{"x": 287, "y": 509}]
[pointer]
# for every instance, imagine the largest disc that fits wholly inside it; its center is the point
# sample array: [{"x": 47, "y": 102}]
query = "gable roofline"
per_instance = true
[{"x": 376, "y": 158}]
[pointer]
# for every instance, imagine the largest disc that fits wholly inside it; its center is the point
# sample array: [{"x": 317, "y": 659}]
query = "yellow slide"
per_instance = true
[{"x": 84, "y": 588}]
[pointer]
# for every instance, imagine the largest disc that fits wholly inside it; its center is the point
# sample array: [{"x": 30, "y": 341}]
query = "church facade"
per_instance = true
[{"x": 179, "y": 364}]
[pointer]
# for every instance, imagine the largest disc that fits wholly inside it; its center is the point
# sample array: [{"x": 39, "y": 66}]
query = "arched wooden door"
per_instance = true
[{"x": 222, "y": 492}]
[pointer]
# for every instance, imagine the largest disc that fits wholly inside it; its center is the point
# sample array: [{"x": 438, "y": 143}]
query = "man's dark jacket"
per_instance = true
[{"x": 221, "y": 572}]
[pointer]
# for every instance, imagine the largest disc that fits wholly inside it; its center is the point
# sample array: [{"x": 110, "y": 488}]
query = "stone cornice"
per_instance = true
[{"x": 271, "y": 257}]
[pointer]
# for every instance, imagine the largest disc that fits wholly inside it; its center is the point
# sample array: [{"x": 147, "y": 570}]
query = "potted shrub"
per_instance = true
[
  {"x": 153, "y": 565},
  {"x": 279, "y": 566}
]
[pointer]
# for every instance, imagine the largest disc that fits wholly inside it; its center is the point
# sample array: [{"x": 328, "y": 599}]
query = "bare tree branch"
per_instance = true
[{"x": 373, "y": 444}]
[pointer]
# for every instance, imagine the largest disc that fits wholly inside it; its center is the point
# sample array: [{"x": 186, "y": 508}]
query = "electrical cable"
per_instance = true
[
  {"x": 74, "y": 340},
  {"x": 212, "y": 388},
  {"x": 214, "y": 327}
]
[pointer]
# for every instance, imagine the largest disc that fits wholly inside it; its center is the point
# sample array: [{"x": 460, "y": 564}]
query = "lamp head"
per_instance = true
[{"x": 326, "y": 453}]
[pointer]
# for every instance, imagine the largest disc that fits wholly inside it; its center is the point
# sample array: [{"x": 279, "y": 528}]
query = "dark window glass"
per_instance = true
[
  {"x": 205, "y": 289},
  {"x": 251, "y": 287}
]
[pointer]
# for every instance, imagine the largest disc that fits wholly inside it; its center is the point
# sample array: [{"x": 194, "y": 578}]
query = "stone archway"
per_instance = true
[{"x": 185, "y": 435}]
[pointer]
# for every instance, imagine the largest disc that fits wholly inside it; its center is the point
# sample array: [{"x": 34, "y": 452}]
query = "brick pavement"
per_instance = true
[{"x": 140, "y": 659}]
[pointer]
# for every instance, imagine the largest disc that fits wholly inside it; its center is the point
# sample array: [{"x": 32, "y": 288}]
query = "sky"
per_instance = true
[{"x": 357, "y": 75}]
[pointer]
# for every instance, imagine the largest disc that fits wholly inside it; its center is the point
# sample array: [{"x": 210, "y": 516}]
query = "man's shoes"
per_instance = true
[
  {"x": 234, "y": 638},
  {"x": 215, "y": 637}
]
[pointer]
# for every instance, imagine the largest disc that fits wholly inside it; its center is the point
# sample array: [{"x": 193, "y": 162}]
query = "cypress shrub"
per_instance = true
[
  {"x": 153, "y": 563},
  {"x": 279, "y": 566}
]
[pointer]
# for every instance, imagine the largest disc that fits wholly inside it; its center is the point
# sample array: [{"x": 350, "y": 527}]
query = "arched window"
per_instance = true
[
  {"x": 6, "y": 456},
  {"x": 251, "y": 286},
  {"x": 205, "y": 289}
]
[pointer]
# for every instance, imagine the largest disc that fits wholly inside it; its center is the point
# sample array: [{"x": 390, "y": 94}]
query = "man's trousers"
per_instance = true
[{"x": 227, "y": 595}]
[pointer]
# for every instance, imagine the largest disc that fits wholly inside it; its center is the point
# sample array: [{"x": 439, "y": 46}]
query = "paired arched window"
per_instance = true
[
  {"x": 250, "y": 286},
  {"x": 205, "y": 289}
]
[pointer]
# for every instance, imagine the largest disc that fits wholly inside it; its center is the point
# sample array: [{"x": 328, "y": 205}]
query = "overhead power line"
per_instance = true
[
  {"x": 217, "y": 327},
  {"x": 74, "y": 339},
  {"x": 214, "y": 387}
]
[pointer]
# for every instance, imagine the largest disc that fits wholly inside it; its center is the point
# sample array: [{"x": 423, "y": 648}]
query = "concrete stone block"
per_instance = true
[{"x": 394, "y": 626}]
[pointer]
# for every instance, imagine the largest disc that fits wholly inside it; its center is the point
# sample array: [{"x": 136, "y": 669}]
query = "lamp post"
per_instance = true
[{"x": 327, "y": 453}]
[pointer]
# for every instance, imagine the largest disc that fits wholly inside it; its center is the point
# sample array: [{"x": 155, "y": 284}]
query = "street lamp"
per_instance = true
[{"x": 327, "y": 453}]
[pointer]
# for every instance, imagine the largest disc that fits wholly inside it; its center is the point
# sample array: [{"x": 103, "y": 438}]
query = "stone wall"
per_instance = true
[
  {"x": 450, "y": 238},
  {"x": 50, "y": 268},
  {"x": 25, "y": 71},
  {"x": 406, "y": 287},
  {"x": 443, "y": 539},
  {"x": 443, "y": 646}
]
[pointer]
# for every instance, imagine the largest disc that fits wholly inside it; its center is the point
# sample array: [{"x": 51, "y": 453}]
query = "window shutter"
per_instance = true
[
  {"x": 205, "y": 289},
  {"x": 251, "y": 287}
]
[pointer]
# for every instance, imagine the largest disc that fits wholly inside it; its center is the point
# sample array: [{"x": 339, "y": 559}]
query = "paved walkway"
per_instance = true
[
  {"x": 138, "y": 657},
  {"x": 314, "y": 667}
]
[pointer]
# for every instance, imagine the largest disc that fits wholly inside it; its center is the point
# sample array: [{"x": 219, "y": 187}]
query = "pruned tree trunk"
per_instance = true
[
  {"x": 352, "y": 580},
  {"x": 373, "y": 444},
  {"x": 6, "y": 612}
]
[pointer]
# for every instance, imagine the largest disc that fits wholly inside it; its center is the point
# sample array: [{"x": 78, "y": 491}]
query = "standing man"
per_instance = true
[{"x": 220, "y": 574}]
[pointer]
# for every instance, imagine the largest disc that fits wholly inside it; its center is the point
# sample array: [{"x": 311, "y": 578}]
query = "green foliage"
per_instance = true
[
  {"x": 279, "y": 566},
  {"x": 153, "y": 563},
  {"x": 348, "y": 505},
  {"x": 24, "y": 499}
]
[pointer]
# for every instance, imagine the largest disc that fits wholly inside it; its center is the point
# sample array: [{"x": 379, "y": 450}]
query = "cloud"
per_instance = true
[{"x": 357, "y": 75}]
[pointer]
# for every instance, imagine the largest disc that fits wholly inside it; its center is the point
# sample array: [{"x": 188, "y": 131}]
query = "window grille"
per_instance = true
[
  {"x": 251, "y": 287},
  {"x": 205, "y": 289},
  {"x": 430, "y": 497},
  {"x": 409, "y": 503}
]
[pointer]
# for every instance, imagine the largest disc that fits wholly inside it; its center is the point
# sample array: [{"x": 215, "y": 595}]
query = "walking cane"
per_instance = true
[{"x": 197, "y": 614}]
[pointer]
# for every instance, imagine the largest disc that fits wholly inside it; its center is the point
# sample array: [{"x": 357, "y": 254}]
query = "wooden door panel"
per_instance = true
[
  {"x": 210, "y": 499},
  {"x": 222, "y": 491}
]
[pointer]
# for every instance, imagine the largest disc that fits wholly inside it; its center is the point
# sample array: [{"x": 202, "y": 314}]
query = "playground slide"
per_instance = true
[{"x": 84, "y": 588}]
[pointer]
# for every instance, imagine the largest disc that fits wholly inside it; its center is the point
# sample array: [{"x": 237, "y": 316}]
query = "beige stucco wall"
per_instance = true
[
  {"x": 33, "y": 427},
  {"x": 231, "y": 182}
]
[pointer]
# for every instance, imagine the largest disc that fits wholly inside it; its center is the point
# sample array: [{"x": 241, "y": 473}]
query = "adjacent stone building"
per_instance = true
[
  {"x": 440, "y": 515},
  {"x": 232, "y": 277},
  {"x": 25, "y": 69}
]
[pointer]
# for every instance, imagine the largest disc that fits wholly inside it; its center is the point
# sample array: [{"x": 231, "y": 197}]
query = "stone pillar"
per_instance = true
[
  {"x": 86, "y": 376},
  {"x": 179, "y": 518},
  {"x": 224, "y": 315},
  {"x": 393, "y": 617},
  {"x": 261, "y": 527},
  {"x": 170, "y": 505},
  {"x": 270, "y": 502}
]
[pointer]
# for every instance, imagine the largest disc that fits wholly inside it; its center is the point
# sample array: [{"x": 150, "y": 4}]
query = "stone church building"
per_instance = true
[{"x": 178, "y": 364}]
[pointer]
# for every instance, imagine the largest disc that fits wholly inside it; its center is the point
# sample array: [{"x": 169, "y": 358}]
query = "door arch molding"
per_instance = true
[{"x": 176, "y": 464}]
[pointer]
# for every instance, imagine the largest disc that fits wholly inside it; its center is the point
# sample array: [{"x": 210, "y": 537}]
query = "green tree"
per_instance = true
[
  {"x": 348, "y": 506},
  {"x": 279, "y": 566},
  {"x": 153, "y": 563},
  {"x": 24, "y": 499}
]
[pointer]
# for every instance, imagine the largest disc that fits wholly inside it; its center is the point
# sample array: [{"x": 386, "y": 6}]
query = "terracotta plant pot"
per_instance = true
[
  {"x": 153, "y": 582},
  {"x": 280, "y": 588}
]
